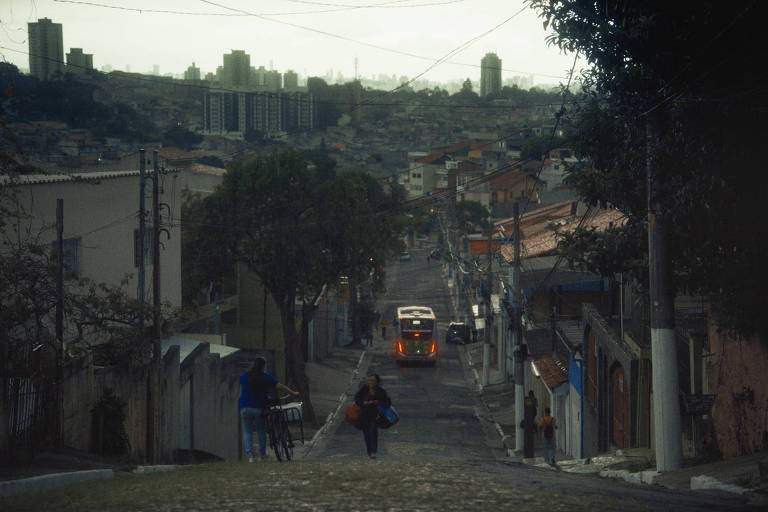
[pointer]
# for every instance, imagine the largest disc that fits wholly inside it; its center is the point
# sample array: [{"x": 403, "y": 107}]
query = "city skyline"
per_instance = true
[{"x": 384, "y": 39}]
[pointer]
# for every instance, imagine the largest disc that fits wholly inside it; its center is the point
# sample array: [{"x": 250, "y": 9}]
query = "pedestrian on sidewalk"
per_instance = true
[
  {"x": 529, "y": 424},
  {"x": 384, "y": 328},
  {"x": 256, "y": 384},
  {"x": 548, "y": 425},
  {"x": 370, "y": 396}
]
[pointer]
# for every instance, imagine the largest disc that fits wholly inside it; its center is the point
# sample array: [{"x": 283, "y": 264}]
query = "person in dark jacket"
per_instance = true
[
  {"x": 369, "y": 398},
  {"x": 256, "y": 384}
]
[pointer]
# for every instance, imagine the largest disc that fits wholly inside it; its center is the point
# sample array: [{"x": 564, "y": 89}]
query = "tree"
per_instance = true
[
  {"x": 211, "y": 160},
  {"x": 672, "y": 66},
  {"x": 298, "y": 228},
  {"x": 471, "y": 216},
  {"x": 180, "y": 137},
  {"x": 466, "y": 94},
  {"x": 536, "y": 148},
  {"x": 98, "y": 318}
]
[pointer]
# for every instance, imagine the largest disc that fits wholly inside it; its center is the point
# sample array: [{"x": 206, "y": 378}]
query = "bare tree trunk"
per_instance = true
[{"x": 296, "y": 375}]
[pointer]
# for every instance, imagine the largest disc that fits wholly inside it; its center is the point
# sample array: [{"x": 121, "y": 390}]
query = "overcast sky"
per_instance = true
[{"x": 400, "y": 37}]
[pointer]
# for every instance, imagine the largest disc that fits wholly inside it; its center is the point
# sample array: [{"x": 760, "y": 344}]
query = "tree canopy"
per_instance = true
[
  {"x": 681, "y": 73},
  {"x": 299, "y": 227}
]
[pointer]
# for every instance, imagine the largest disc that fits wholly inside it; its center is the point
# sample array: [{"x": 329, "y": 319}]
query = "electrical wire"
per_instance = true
[{"x": 244, "y": 13}]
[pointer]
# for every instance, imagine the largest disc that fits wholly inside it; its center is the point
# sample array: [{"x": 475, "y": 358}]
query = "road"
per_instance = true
[{"x": 443, "y": 455}]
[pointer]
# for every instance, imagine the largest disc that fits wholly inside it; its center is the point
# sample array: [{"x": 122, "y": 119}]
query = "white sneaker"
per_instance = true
[{"x": 251, "y": 460}]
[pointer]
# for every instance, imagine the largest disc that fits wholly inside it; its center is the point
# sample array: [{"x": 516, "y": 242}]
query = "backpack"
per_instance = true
[{"x": 549, "y": 431}]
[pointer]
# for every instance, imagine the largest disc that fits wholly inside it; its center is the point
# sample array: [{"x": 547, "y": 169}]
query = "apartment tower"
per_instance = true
[
  {"x": 490, "y": 75},
  {"x": 46, "y": 49},
  {"x": 236, "y": 70},
  {"x": 79, "y": 62}
]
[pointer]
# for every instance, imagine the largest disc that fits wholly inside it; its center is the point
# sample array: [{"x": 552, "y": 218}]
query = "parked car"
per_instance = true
[
  {"x": 459, "y": 333},
  {"x": 405, "y": 256}
]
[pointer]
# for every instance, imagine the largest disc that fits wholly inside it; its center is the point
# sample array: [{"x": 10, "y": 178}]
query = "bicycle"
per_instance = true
[{"x": 278, "y": 413}]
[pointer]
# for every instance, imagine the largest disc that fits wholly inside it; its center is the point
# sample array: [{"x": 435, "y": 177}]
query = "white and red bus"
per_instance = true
[{"x": 416, "y": 335}]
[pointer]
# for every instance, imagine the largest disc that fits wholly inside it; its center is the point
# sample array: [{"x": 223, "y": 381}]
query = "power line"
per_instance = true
[
  {"x": 217, "y": 88},
  {"x": 235, "y": 12},
  {"x": 339, "y": 8},
  {"x": 455, "y": 51}
]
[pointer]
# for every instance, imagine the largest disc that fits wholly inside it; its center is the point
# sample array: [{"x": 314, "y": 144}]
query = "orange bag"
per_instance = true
[{"x": 354, "y": 416}]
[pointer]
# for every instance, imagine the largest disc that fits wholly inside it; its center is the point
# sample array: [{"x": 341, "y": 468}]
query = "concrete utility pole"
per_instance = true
[
  {"x": 518, "y": 301},
  {"x": 154, "y": 437},
  {"x": 666, "y": 401},
  {"x": 488, "y": 313},
  {"x": 60, "y": 317},
  {"x": 142, "y": 230}
]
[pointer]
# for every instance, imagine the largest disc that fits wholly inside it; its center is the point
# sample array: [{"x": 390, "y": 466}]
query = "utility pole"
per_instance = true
[
  {"x": 60, "y": 317},
  {"x": 666, "y": 404},
  {"x": 518, "y": 301},
  {"x": 140, "y": 248},
  {"x": 488, "y": 313},
  {"x": 154, "y": 438}
]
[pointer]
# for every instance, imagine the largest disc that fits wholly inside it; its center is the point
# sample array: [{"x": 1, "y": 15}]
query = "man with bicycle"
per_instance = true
[{"x": 256, "y": 384}]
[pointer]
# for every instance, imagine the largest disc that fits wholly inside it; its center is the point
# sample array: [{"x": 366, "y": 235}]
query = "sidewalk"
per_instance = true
[
  {"x": 740, "y": 475},
  {"x": 330, "y": 381}
]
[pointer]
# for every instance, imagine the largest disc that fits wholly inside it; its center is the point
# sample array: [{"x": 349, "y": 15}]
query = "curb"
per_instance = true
[
  {"x": 332, "y": 415},
  {"x": 44, "y": 482}
]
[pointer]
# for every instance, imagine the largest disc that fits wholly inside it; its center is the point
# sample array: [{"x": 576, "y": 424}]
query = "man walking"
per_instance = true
[
  {"x": 384, "y": 328},
  {"x": 529, "y": 424},
  {"x": 548, "y": 425}
]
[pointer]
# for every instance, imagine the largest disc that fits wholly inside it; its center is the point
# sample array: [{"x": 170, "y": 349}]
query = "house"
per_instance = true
[
  {"x": 510, "y": 187},
  {"x": 100, "y": 225}
]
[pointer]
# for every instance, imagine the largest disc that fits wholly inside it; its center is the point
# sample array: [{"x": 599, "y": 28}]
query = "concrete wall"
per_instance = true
[
  {"x": 737, "y": 379},
  {"x": 198, "y": 402}
]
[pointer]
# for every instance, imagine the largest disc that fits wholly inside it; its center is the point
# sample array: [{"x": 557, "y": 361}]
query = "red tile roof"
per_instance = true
[
  {"x": 536, "y": 236},
  {"x": 432, "y": 158},
  {"x": 552, "y": 371}
]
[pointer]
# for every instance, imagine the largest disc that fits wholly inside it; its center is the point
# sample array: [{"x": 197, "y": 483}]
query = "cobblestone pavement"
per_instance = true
[{"x": 361, "y": 484}]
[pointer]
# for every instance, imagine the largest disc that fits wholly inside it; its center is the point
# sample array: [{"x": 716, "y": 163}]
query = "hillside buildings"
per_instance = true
[
  {"x": 490, "y": 75},
  {"x": 46, "y": 48}
]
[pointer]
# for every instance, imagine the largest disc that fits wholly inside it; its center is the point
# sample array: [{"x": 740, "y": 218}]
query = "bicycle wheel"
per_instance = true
[
  {"x": 287, "y": 444},
  {"x": 276, "y": 444}
]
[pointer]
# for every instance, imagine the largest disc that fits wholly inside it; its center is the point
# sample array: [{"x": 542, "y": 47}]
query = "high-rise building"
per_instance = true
[
  {"x": 273, "y": 81},
  {"x": 192, "y": 73},
  {"x": 79, "y": 62},
  {"x": 290, "y": 80},
  {"x": 236, "y": 70},
  {"x": 265, "y": 111},
  {"x": 490, "y": 75},
  {"x": 46, "y": 49}
]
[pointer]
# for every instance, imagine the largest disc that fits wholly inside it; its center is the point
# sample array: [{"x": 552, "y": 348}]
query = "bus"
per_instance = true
[{"x": 416, "y": 335}]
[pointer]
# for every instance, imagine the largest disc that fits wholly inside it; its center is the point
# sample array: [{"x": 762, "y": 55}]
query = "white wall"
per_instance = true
[{"x": 102, "y": 213}]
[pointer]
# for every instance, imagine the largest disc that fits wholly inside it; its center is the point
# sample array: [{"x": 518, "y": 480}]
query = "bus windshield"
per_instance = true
[{"x": 416, "y": 322}]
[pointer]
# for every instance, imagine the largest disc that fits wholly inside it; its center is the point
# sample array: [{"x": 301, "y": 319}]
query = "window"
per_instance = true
[
  {"x": 71, "y": 254},
  {"x": 147, "y": 247}
]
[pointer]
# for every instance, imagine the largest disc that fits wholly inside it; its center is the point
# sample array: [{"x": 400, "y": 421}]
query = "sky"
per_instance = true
[{"x": 311, "y": 37}]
